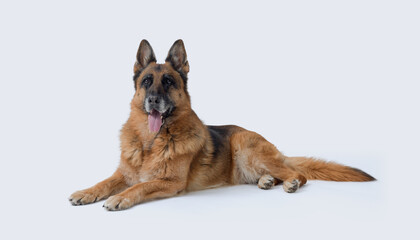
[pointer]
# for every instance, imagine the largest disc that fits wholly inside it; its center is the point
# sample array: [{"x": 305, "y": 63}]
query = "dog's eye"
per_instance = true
[
  {"x": 147, "y": 81},
  {"x": 167, "y": 80}
]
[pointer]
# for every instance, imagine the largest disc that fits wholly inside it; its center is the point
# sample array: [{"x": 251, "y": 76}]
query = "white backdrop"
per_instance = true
[{"x": 332, "y": 79}]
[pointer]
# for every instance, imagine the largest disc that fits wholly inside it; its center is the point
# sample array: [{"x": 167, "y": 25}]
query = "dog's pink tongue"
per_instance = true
[{"x": 155, "y": 122}]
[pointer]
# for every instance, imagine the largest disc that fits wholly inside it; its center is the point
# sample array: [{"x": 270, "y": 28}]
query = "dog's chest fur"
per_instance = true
[{"x": 145, "y": 159}]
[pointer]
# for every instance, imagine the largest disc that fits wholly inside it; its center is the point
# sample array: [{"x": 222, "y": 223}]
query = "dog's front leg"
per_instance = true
[
  {"x": 142, "y": 192},
  {"x": 112, "y": 185}
]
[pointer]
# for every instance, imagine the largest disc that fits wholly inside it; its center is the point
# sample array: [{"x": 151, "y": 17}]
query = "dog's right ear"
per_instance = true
[{"x": 145, "y": 55}]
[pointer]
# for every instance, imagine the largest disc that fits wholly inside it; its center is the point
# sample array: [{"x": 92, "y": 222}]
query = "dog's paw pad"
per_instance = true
[
  {"x": 266, "y": 182},
  {"x": 116, "y": 203},
  {"x": 292, "y": 186}
]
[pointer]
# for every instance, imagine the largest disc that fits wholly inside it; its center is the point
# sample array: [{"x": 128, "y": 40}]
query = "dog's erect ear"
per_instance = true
[
  {"x": 145, "y": 55},
  {"x": 177, "y": 56}
]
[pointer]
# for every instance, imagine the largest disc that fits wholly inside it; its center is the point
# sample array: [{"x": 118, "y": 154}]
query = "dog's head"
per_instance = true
[{"x": 161, "y": 89}]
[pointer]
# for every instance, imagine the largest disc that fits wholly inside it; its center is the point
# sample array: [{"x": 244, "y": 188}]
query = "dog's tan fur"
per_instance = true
[{"x": 186, "y": 155}]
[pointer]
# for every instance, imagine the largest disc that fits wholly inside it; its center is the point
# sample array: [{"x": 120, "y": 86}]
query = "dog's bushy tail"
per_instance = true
[{"x": 317, "y": 169}]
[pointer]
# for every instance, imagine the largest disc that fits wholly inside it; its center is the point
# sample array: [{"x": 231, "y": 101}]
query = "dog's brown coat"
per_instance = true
[{"x": 186, "y": 155}]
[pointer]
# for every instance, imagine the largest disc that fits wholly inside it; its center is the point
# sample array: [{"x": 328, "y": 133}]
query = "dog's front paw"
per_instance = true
[
  {"x": 292, "y": 186},
  {"x": 116, "y": 203},
  {"x": 83, "y": 197}
]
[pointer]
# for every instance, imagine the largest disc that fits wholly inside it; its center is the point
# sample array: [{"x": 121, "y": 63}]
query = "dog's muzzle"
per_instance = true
[{"x": 156, "y": 107}]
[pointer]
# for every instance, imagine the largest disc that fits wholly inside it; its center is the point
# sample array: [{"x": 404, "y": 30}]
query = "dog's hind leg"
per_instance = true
[
  {"x": 266, "y": 182},
  {"x": 254, "y": 158},
  {"x": 291, "y": 180}
]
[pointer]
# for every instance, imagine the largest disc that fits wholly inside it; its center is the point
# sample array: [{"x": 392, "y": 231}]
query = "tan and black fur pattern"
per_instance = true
[{"x": 186, "y": 155}]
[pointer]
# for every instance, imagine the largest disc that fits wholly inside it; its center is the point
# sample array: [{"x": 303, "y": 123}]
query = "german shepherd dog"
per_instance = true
[{"x": 166, "y": 149}]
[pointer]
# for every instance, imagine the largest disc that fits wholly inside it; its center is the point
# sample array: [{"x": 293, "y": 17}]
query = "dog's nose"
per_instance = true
[{"x": 153, "y": 99}]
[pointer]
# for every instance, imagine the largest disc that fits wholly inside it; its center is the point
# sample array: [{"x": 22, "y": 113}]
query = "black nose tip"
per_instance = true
[{"x": 153, "y": 99}]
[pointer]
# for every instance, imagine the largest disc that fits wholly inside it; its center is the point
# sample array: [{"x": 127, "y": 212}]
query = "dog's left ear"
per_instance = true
[{"x": 177, "y": 56}]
